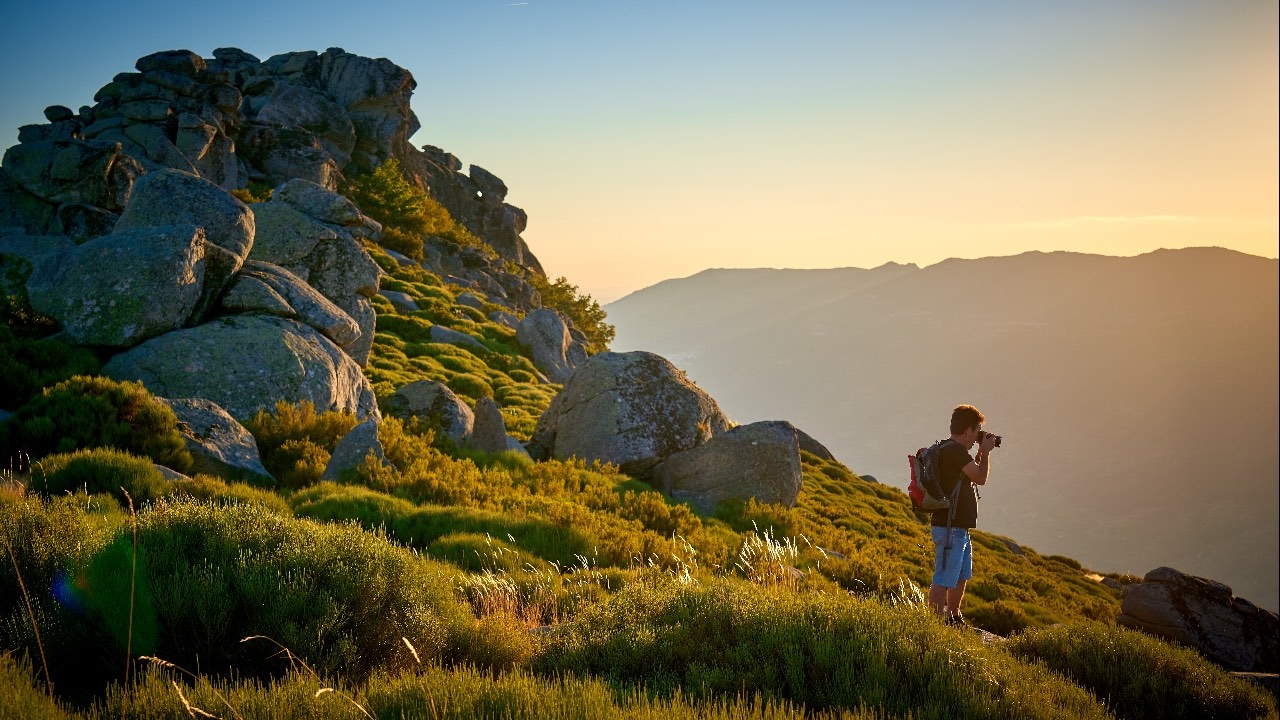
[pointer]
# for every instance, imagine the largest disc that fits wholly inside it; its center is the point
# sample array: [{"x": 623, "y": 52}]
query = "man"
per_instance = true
[{"x": 953, "y": 551}]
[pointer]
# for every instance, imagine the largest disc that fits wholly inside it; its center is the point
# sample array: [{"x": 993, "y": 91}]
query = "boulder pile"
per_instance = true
[
  {"x": 638, "y": 411},
  {"x": 316, "y": 118}
]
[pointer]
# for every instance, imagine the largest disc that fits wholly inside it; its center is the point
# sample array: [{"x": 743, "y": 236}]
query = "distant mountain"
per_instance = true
[{"x": 1137, "y": 396}]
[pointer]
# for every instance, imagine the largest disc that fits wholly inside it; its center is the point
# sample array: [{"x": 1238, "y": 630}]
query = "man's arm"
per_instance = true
[{"x": 978, "y": 470}]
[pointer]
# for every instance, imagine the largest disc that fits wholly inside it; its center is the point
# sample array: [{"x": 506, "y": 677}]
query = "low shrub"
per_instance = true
[
  {"x": 1139, "y": 676},
  {"x": 1000, "y": 617},
  {"x": 337, "y": 596},
  {"x": 100, "y": 470},
  {"x": 23, "y": 694},
  {"x": 90, "y": 412},
  {"x": 216, "y": 491},
  {"x": 822, "y": 651},
  {"x": 295, "y": 442}
]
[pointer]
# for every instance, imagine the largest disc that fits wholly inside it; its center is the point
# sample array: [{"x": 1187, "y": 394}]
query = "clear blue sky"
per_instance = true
[{"x": 649, "y": 140}]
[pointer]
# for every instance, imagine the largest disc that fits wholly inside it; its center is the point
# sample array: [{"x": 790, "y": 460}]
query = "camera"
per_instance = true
[{"x": 983, "y": 435}]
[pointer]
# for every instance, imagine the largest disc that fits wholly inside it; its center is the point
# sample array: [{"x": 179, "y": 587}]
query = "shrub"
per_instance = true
[
  {"x": 254, "y": 192},
  {"x": 89, "y": 412},
  {"x": 339, "y": 597},
  {"x": 100, "y": 470},
  {"x": 295, "y": 442},
  {"x": 825, "y": 651},
  {"x": 999, "y": 617},
  {"x": 407, "y": 212},
  {"x": 1141, "y": 677},
  {"x": 21, "y": 696},
  {"x": 27, "y": 366},
  {"x": 218, "y": 492}
]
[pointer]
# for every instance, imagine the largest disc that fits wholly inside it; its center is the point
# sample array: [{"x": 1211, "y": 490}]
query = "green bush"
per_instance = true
[
  {"x": 90, "y": 412},
  {"x": 100, "y": 470},
  {"x": 1141, "y": 677},
  {"x": 64, "y": 552},
  {"x": 295, "y": 442},
  {"x": 215, "y": 490},
  {"x": 28, "y": 366},
  {"x": 407, "y": 213},
  {"x": 1000, "y": 617},
  {"x": 823, "y": 651}
]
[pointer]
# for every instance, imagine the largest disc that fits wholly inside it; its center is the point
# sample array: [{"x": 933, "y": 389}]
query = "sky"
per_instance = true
[{"x": 651, "y": 140}]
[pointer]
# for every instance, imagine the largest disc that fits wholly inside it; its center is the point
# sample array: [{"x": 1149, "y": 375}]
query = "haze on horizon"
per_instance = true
[{"x": 653, "y": 140}]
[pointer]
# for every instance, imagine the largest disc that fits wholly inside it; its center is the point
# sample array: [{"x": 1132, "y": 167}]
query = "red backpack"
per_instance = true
[{"x": 924, "y": 489}]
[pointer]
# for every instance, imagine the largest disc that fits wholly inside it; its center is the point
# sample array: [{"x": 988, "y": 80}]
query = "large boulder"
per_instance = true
[
  {"x": 760, "y": 461},
  {"x": 1205, "y": 615},
  {"x": 631, "y": 409},
  {"x": 290, "y": 362},
  {"x": 173, "y": 197},
  {"x": 546, "y": 335},
  {"x": 121, "y": 289},
  {"x": 263, "y": 286},
  {"x": 221, "y": 446},
  {"x": 435, "y": 403}
]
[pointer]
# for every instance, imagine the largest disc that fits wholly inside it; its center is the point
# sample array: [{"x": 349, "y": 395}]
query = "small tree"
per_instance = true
[
  {"x": 579, "y": 307},
  {"x": 407, "y": 213}
]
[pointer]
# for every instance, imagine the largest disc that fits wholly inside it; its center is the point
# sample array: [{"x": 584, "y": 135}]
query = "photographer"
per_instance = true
[{"x": 953, "y": 550}]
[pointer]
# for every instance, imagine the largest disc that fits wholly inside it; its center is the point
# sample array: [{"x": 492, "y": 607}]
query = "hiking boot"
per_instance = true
[{"x": 958, "y": 620}]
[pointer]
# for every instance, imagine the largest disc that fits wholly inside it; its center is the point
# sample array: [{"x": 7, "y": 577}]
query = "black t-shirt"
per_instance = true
[{"x": 951, "y": 464}]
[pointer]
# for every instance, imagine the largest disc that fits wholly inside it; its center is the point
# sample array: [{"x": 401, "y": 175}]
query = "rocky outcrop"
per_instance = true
[
  {"x": 289, "y": 361},
  {"x": 760, "y": 461},
  {"x": 435, "y": 403},
  {"x": 233, "y": 119},
  {"x": 545, "y": 334},
  {"x": 478, "y": 201},
  {"x": 220, "y": 446},
  {"x": 1205, "y": 615},
  {"x": 631, "y": 409},
  {"x": 121, "y": 289}
]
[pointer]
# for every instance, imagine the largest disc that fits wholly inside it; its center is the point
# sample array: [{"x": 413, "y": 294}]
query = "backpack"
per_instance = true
[{"x": 925, "y": 489}]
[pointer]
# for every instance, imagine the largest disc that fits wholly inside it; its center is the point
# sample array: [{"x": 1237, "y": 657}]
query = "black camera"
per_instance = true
[{"x": 983, "y": 435}]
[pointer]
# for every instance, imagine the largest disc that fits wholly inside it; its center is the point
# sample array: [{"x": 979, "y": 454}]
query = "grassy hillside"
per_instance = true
[{"x": 450, "y": 583}]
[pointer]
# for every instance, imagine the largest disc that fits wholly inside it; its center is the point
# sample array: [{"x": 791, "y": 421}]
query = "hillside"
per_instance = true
[
  {"x": 1137, "y": 395},
  {"x": 287, "y": 432}
]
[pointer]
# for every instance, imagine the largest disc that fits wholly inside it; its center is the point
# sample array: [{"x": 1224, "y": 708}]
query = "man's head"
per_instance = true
[{"x": 966, "y": 424}]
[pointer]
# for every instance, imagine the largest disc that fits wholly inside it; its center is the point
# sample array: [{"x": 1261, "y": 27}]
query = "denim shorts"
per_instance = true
[{"x": 959, "y": 558}]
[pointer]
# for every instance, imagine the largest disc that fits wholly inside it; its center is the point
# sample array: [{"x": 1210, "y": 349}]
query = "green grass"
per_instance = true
[{"x": 1141, "y": 677}]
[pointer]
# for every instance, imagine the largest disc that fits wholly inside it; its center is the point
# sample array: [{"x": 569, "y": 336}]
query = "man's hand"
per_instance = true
[{"x": 987, "y": 444}]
